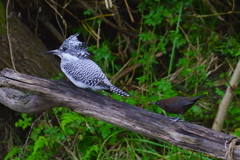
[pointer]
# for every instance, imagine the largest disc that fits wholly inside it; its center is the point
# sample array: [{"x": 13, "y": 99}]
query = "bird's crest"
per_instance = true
[{"x": 74, "y": 47}]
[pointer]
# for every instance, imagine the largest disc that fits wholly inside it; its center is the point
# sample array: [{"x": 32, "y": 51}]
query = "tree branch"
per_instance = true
[
  {"x": 227, "y": 99},
  {"x": 44, "y": 94}
]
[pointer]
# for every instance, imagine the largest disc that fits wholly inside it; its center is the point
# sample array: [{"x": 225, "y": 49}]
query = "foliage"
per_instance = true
[
  {"x": 181, "y": 52},
  {"x": 24, "y": 122}
]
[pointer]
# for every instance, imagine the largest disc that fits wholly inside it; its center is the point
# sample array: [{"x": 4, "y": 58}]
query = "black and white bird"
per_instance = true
[{"x": 80, "y": 70}]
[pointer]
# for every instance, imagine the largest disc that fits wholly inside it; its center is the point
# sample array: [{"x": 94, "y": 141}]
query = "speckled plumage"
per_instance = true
[
  {"x": 74, "y": 47},
  {"x": 80, "y": 70}
]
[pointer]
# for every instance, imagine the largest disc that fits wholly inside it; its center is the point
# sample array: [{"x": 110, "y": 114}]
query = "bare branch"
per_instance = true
[
  {"x": 227, "y": 99},
  {"x": 20, "y": 102},
  {"x": 49, "y": 93}
]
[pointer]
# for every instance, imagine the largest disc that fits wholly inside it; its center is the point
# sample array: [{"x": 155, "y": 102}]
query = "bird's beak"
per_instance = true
[
  {"x": 153, "y": 103},
  {"x": 52, "y": 51}
]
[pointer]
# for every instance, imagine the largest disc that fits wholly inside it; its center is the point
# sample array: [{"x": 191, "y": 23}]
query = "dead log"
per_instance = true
[
  {"x": 45, "y": 94},
  {"x": 27, "y": 51}
]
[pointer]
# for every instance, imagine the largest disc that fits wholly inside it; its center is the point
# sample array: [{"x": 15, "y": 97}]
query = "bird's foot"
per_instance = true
[{"x": 175, "y": 119}]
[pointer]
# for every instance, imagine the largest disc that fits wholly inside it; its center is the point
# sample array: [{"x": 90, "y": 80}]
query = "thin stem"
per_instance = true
[{"x": 174, "y": 42}]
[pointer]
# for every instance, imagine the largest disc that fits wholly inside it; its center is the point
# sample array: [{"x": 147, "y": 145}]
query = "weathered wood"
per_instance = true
[
  {"x": 27, "y": 51},
  {"x": 45, "y": 94}
]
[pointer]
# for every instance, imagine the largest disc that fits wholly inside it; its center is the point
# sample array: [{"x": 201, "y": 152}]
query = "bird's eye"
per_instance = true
[{"x": 64, "y": 48}]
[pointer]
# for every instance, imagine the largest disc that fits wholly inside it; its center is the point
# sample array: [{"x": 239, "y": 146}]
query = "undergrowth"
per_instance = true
[{"x": 179, "y": 55}]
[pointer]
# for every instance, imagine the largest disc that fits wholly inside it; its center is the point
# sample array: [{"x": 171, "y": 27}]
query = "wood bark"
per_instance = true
[
  {"x": 28, "y": 57},
  {"x": 45, "y": 94},
  {"x": 28, "y": 51}
]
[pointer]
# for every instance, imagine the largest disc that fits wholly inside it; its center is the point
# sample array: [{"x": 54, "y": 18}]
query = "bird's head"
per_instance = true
[
  {"x": 159, "y": 103},
  {"x": 71, "y": 47}
]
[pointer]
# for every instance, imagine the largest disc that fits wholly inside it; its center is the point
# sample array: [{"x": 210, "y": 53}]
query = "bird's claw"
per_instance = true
[{"x": 174, "y": 119}]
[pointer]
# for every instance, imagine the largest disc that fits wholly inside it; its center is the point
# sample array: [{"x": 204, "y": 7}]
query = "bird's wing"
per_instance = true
[
  {"x": 84, "y": 70},
  {"x": 178, "y": 104}
]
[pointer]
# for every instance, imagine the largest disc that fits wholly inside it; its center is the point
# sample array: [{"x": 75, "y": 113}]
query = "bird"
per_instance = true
[
  {"x": 79, "y": 69},
  {"x": 177, "y": 105}
]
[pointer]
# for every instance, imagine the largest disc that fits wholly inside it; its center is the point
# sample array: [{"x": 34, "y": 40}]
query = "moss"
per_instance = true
[{"x": 2, "y": 19}]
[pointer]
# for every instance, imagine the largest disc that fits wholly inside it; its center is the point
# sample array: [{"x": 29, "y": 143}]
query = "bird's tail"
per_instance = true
[
  {"x": 197, "y": 98},
  {"x": 118, "y": 91},
  {"x": 201, "y": 96}
]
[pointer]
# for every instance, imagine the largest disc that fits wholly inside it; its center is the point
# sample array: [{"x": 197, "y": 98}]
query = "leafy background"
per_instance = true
[{"x": 157, "y": 49}]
